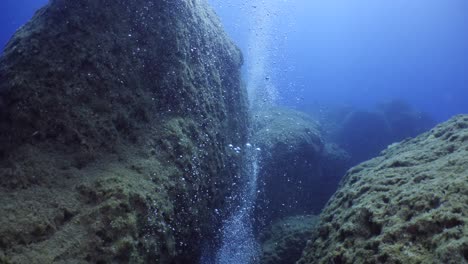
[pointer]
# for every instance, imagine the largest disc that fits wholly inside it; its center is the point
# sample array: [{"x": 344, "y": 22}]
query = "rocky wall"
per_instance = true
[{"x": 115, "y": 121}]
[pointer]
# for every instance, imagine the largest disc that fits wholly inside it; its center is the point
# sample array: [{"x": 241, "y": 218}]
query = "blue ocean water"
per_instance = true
[
  {"x": 362, "y": 52},
  {"x": 13, "y": 14}
]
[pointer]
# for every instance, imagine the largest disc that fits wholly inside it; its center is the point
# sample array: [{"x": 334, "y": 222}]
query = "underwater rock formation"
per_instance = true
[
  {"x": 404, "y": 121},
  {"x": 115, "y": 122},
  {"x": 363, "y": 134},
  {"x": 409, "y": 205},
  {"x": 298, "y": 170},
  {"x": 284, "y": 240}
]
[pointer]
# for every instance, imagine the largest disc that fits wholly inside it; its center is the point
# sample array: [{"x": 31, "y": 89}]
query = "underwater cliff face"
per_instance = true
[
  {"x": 408, "y": 205},
  {"x": 114, "y": 125}
]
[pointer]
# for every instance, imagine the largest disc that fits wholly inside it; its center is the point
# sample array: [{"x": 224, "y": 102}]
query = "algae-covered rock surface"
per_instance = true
[
  {"x": 299, "y": 171},
  {"x": 115, "y": 117},
  {"x": 409, "y": 205},
  {"x": 284, "y": 240}
]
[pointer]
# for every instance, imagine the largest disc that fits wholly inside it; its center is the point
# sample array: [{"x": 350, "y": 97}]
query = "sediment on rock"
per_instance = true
[{"x": 114, "y": 125}]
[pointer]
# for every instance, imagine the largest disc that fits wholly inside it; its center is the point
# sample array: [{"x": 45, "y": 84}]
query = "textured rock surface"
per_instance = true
[
  {"x": 114, "y": 124},
  {"x": 296, "y": 164},
  {"x": 284, "y": 240},
  {"x": 409, "y": 205}
]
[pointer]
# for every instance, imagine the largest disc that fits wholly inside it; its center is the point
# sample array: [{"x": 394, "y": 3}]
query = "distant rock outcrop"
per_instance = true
[
  {"x": 298, "y": 170},
  {"x": 404, "y": 121},
  {"x": 363, "y": 134},
  {"x": 409, "y": 205},
  {"x": 115, "y": 121}
]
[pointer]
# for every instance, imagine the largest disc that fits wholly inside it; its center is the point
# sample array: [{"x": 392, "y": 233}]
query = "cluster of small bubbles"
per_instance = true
[{"x": 237, "y": 150}]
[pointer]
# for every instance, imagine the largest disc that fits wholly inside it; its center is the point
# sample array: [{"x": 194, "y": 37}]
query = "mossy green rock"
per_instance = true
[
  {"x": 115, "y": 117},
  {"x": 409, "y": 205},
  {"x": 285, "y": 130},
  {"x": 284, "y": 240}
]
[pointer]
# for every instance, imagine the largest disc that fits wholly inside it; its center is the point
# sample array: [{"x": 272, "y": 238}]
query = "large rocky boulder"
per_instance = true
[
  {"x": 283, "y": 241},
  {"x": 298, "y": 170},
  {"x": 409, "y": 205},
  {"x": 115, "y": 121}
]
